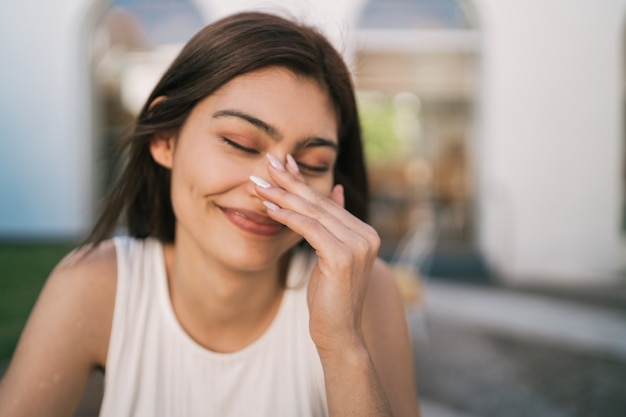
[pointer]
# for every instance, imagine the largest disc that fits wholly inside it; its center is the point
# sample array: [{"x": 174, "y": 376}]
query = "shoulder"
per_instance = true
[
  {"x": 66, "y": 336},
  {"x": 87, "y": 270},
  {"x": 87, "y": 276},
  {"x": 81, "y": 291},
  {"x": 99, "y": 259}
]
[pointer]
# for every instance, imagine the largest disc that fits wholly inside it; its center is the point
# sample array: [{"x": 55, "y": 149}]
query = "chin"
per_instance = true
[{"x": 252, "y": 255}]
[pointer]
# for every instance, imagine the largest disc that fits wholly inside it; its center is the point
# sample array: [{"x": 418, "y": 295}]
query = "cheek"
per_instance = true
[{"x": 201, "y": 174}]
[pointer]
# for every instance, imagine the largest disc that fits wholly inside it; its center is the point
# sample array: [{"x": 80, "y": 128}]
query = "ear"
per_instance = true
[
  {"x": 161, "y": 147},
  {"x": 162, "y": 150},
  {"x": 156, "y": 100}
]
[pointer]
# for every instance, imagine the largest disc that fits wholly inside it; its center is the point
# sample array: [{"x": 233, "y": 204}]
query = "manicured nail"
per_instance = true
[
  {"x": 275, "y": 162},
  {"x": 292, "y": 163},
  {"x": 260, "y": 182},
  {"x": 270, "y": 205}
]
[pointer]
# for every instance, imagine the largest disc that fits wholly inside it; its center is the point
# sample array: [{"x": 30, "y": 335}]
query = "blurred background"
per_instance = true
[{"x": 494, "y": 134}]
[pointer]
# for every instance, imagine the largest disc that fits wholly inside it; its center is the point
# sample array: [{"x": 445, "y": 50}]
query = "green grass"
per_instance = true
[{"x": 24, "y": 268}]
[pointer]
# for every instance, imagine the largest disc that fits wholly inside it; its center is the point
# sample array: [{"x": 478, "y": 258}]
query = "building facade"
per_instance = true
[{"x": 547, "y": 129}]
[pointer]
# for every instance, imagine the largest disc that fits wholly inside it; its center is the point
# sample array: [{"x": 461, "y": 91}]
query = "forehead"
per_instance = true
[{"x": 277, "y": 96}]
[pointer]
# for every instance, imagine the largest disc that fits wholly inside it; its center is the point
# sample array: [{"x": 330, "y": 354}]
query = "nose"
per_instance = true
[{"x": 261, "y": 170}]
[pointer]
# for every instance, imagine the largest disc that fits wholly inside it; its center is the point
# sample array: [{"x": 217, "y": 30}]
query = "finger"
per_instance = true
[
  {"x": 337, "y": 245},
  {"x": 308, "y": 211},
  {"x": 311, "y": 203},
  {"x": 292, "y": 181},
  {"x": 307, "y": 218},
  {"x": 290, "y": 173},
  {"x": 323, "y": 209},
  {"x": 292, "y": 165},
  {"x": 337, "y": 195}
]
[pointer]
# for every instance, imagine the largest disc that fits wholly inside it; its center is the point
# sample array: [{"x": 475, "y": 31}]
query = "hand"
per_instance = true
[{"x": 346, "y": 248}]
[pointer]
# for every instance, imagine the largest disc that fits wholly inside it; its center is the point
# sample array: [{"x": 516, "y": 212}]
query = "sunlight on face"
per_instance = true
[{"x": 224, "y": 142}]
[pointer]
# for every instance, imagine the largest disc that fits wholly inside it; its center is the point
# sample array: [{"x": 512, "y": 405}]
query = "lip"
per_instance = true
[{"x": 252, "y": 221}]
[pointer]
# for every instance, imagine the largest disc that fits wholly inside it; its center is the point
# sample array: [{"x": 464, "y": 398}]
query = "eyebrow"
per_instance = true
[
  {"x": 273, "y": 133},
  {"x": 315, "y": 142},
  {"x": 268, "y": 129}
]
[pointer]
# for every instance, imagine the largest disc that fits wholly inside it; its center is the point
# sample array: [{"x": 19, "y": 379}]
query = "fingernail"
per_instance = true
[
  {"x": 260, "y": 182},
  {"x": 292, "y": 163},
  {"x": 275, "y": 162},
  {"x": 270, "y": 205}
]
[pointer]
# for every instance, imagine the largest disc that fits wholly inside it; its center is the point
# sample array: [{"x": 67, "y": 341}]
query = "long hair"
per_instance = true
[{"x": 230, "y": 47}]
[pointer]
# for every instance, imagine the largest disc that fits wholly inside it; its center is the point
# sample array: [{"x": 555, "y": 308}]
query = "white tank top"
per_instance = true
[{"x": 154, "y": 368}]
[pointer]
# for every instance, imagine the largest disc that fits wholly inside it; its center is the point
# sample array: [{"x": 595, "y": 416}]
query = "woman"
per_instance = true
[{"x": 248, "y": 283}]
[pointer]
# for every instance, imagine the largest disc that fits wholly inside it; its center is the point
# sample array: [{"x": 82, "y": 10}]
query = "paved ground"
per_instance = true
[{"x": 486, "y": 352}]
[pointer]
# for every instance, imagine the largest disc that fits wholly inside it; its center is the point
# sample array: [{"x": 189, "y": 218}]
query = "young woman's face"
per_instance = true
[{"x": 225, "y": 140}]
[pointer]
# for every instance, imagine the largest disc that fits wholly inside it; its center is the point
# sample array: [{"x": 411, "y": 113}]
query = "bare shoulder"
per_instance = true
[
  {"x": 80, "y": 292},
  {"x": 88, "y": 266},
  {"x": 100, "y": 259},
  {"x": 66, "y": 336},
  {"x": 77, "y": 298},
  {"x": 87, "y": 276},
  {"x": 86, "y": 280}
]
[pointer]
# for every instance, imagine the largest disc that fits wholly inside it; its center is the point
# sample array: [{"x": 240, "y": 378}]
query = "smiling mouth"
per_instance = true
[{"x": 252, "y": 221}]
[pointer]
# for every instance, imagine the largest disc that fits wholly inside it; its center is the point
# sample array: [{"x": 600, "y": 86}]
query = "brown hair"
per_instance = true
[{"x": 221, "y": 51}]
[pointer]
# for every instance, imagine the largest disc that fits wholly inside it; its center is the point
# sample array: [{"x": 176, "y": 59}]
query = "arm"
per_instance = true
[
  {"x": 359, "y": 370},
  {"x": 65, "y": 338},
  {"x": 375, "y": 378},
  {"x": 387, "y": 338}
]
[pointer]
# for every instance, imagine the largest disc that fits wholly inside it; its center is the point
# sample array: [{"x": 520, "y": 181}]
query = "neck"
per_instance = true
[{"x": 222, "y": 308}]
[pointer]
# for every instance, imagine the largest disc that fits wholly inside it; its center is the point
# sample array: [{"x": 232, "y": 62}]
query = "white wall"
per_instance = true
[
  {"x": 551, "y": 137},
  {"x": 44, "y": 120},
  {"x": 335, "y": 18}
]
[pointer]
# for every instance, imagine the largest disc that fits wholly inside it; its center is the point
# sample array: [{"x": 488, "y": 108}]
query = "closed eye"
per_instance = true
[
  {"x": 313, "y": 169},
  {"x": 239, "y": 147}
]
